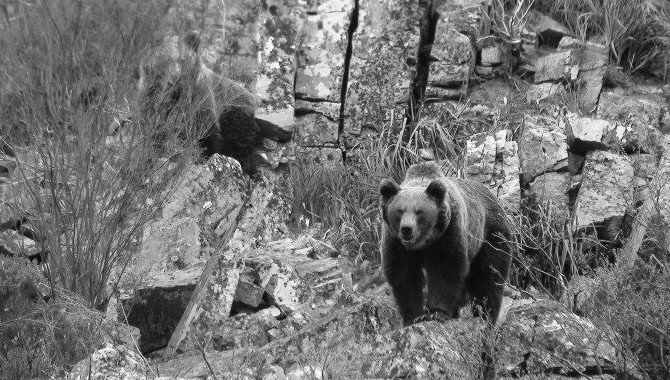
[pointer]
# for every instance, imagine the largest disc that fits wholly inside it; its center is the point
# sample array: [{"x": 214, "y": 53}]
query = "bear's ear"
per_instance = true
[
  {"x": 437, "y": 189},
  {"x": 388, "y": 189}
]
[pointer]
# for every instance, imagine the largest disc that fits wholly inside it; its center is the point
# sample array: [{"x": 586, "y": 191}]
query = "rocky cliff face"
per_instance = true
[{"x": 219, "y": 286}]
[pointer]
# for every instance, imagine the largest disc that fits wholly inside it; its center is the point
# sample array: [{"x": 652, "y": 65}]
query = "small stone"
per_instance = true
[
  {"x": 491, "y": 55},
  {"x": 427, "y": 154},
  {"x": 248, "y": 293}
]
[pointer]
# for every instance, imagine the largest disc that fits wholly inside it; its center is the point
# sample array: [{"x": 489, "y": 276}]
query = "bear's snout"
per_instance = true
[
  {"x": 408, "y": 228},
  {"x": 406, "y": 233}
]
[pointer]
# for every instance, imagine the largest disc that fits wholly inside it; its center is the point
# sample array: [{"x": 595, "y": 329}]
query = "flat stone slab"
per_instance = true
[
  {"x": 606, "y": 190},
  {"x": 543, "y": 146}
]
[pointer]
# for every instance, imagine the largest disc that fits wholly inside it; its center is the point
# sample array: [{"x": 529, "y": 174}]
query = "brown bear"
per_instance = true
[{"x": 449, "y": 233}]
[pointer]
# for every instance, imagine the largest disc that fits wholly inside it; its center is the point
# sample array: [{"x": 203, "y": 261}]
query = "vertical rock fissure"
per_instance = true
[
  {"x": 353, "y": 25},
  {"x": 416, "y": 97}
]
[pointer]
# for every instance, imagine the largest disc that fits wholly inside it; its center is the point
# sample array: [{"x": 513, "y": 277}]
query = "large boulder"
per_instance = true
[
  {"x": 288, "y": 273},
  {"x": 606, "y": 190},
  {"x": 543, "y": 339},
  {"x": 197, "y": 219},
  {"x": 630, "y": 136},
  {"x": 582, "y": 64},
  {"x": 586, "y": 134},
  {"x": 535, "y": 339},
  {"x": 380, "y": 75},
  {"x": 431, "y": 350},
  {"x": 353, "y": 320},
  {"x": 556, "y": 67},
  {"x": 279, "y": 28},
  {"x": 319, "y": 78},
  {"x": 593, "y": 59},
  {"x": 321, "y": 52},
  {"x": 543, "y": 146},
  {"x": 452, "y": 61},
  {"x": 202, "y": 212}
]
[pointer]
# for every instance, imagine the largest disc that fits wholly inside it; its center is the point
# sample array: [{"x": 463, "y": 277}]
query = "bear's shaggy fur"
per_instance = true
[
  {"x": 174, "y": 74},
  {"x": 455, "y": 231}
]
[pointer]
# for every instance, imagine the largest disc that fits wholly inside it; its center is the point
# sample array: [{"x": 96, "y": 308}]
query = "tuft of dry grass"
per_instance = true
[
  {"x": 548, "y": 255},
  {"x": 38, "y": 338},
  {"x": 637, "y": 32}
]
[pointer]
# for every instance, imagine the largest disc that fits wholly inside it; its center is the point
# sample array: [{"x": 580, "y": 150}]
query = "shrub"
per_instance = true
[
  {"x": 39, "y": 339},
  {"x": 87, "y": 193}
]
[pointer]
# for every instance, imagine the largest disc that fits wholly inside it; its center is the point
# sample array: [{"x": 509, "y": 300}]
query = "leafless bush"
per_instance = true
[{"x": 89, "y": 194}]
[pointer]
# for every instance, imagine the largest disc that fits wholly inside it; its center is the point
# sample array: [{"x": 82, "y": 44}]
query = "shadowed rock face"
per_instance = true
[{"x": 156, "y": 313}]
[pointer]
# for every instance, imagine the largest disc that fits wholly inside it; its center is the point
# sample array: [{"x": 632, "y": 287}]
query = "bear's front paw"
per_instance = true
[{"x": 432, "y": 315}]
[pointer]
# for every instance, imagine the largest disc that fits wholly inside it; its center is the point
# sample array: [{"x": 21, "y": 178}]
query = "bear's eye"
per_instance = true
[{"x": 418, "y": 212}]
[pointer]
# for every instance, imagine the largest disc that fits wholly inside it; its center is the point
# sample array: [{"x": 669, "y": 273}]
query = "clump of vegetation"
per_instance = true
[
  {"x": 38, "y": 338},
  {"x": 548, "y": 254},
  {"x": 636, "y": 31},
  {"x": 634, "y": 304}
]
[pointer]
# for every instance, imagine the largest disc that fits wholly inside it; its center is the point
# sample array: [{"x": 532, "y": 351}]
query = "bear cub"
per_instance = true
[{"x": 449, "y": 234}]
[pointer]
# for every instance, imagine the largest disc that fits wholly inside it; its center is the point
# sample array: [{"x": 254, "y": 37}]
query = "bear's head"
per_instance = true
[{"x": 416, "y": 215}]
